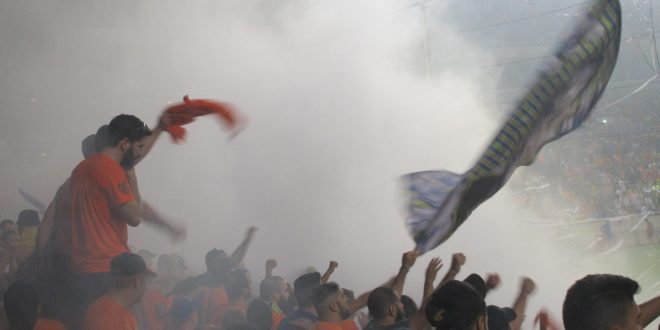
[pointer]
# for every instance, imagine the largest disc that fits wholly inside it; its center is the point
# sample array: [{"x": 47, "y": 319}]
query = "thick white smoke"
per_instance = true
[{"x": 339, "y": 104}]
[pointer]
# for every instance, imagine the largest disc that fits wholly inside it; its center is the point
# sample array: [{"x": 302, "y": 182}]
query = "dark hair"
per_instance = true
[
  {"x": 5, "y": 234},
  {"x": 213, "y": 255},
  {"x": 27, "y": 218},
  {"x": 323, "y": 293},
  {"x": 269, "y": 286},
  {"x": 87, "y": 146},
  {"x": 380, "y": 301},
  {"x": 126, "y": 127},
  {"x": 454, "y": 306},
  {"x": 259, "y": 313},
  {"x": 235, "y": 283},
  {"x": 409, "y": 306},
  {"x": 101, "y": 138},
  {"x": 598, "y": 302},
  {"x": 21, "y": 305},
  {"x": 304, "y": 286},
  {"x": 231, "y": 317}
]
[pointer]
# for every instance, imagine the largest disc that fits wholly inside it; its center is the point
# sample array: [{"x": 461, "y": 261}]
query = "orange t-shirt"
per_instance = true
[
  {"x": 47, "y": 324},
  {"x": 150, "y": 305},
  {"x": 98, "y": 187},
  {"x": 107, "y": 314},
  {"x": 277, "y": 318},
  {"x": 349, "y": 325},
  {"x": 328, "y": 326},
  {"x": 214, "y": 303}
]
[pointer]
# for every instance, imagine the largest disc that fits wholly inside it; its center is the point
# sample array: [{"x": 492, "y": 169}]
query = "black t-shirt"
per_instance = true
[{"x": 289, "y": 322}]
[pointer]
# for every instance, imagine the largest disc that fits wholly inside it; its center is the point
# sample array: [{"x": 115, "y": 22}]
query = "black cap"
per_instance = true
[
  {"x": 477, "y": 282},
  {"x": 455, "y": 304},
  {"x": 499, "y": 318},
  {"x": 129, "y": 264}
]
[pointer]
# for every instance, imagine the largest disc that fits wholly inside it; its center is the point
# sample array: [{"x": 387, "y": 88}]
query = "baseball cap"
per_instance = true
[
  {"x": 455, "y": 304},
  {"x": 477, "y": 282},
  {"x": 499, "y": 318},
  {"x": 129, "y": 264}
]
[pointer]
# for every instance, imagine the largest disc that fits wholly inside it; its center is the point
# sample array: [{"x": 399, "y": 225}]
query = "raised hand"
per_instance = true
[
  {"x": 432, "y": 270},
  {"x": 408, "y": 259},
  {"x": 493, "y": 281}
]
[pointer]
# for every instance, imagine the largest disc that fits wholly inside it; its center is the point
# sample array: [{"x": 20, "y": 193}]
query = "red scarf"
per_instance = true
[{"x": 184, "y": 113}]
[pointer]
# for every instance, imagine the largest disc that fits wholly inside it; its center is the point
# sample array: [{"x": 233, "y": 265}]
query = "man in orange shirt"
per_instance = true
[
  {"x": 104, "y": 200},
  {"x": 331, "y": 306},
  {"x": 112, "y": 310}
]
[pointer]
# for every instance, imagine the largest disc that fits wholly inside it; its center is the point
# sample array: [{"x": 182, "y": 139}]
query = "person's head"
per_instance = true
[
  {"x": 500, "y": 318},
  {"x": 101, "y": 138},
  {"x": 330, "y": 302},
  {"x": 9, "y": 239},
  {"x": 385, "y": 305},
  {"x": 304, "y": 286},
  {"x": 601, "y": 302},
  {"x": 477, "y": 282},
  {"x": 457, "y": 306},
  {"x": 237, "y": 285},
  {"x": 260, "y": 315},
  {"x": 8, "y": 225},
  {"x": 409, "y": 307},
  {"x": 26, "y": 219},
  {"x": 21, "y": 303},
  {"x": 130, "y": 275},
  {"x": 273, "y": 289},
  {"x": 126, "y": 134},
  {"x": 218, "y": 263}
]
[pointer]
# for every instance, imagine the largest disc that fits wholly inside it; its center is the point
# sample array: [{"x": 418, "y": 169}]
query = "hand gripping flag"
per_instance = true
[
  {"x": 184, "y": 113},
  {"x": 561, "y": 98}
]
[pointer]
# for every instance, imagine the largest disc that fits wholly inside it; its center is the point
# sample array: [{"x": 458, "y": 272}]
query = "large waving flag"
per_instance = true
[{"x": 562, "y": 97}]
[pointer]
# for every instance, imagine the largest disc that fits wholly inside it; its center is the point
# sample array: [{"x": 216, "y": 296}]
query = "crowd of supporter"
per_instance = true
[
  {"x": 597, "y": 178},
  {"x": 72, "y": 268}
]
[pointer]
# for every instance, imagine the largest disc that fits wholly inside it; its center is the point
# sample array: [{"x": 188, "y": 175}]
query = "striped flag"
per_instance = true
[{"x": 566, "y": 90}]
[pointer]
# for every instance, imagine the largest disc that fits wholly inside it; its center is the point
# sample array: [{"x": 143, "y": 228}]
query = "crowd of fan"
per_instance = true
[
  {"x": 74, "y": 270},
  {"x": 600, "y": 178}
]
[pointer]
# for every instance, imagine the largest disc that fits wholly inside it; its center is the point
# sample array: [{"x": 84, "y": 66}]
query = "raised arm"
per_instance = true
[
  {"x": 239, "y": 254},
  {"x": 331, "y": 269},
  {"x": 418, "y": 320},
  {"x": 527, "y": 287},
  {"x": 270, "y": 265},
  {"x": 457, "y": 261},
  {"x": 493, "y": 281},
  {"x": 131, "y": 211},
  {"x": 407, "y": 261},
  {"x": 152, "y": 217},
  {"x": 149, "y": 141},
  {"x": 431, "y": 274},
  {"x": 650, "y": 311}
]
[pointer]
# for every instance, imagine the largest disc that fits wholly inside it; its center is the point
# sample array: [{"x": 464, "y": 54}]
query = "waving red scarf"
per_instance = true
[{"x": 184, "y": 113}]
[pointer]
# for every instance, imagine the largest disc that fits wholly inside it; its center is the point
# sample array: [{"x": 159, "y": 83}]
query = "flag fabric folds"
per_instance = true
[
  {"x": 184, "y": 113},
  {"x": 561, "y": 98}
]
